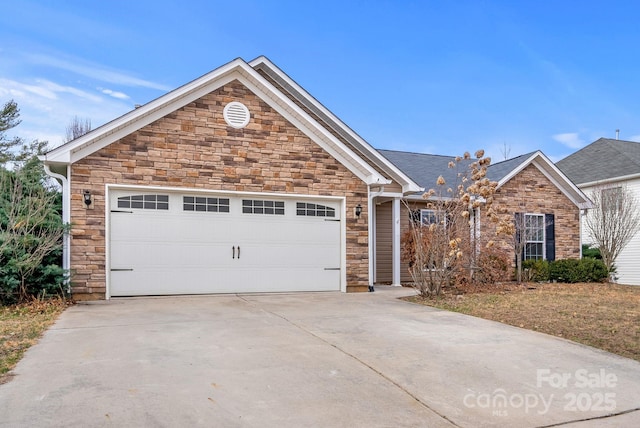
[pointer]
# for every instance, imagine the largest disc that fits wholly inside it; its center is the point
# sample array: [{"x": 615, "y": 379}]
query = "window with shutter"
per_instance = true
[
  {"x": 538, "y": 233},
  {"x": 550, "y": 237},
  {"x": 534, "y": 232}
]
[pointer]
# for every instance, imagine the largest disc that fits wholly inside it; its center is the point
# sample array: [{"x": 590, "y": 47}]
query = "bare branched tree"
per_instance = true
[
  {"x": 613, "y": 220},
  {"x": 77, "y": 128},
  {"x": 519, "y": 242},
  {"x": 441, "y": 246},
  {"x": 505, "y": 150}
]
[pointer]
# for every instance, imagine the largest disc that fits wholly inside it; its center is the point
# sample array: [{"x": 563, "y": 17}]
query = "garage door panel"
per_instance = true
[
  {"x": 168, "y": 254},
  {"x": 176, "y": 252},
  {"x": 285, "y": 257},
  {"x": 174, "y": 227},
  {"x": 278, "y": 279},
  {"x": 163, "y": 281},
  {"x": 194, "y": 281},
  {"x": 293, "y": 235}
]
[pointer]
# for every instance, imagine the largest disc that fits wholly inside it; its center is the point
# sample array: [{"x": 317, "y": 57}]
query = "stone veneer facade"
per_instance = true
[
  {"x": 194, "y": 148},
  {"x": 529, "y": 192},
  {"x": 532, "y": 192}
]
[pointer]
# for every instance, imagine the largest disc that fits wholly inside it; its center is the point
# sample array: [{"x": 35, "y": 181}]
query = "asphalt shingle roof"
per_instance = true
[
  {"x": 601, "y": 160},
  {"x": 425, "y": 169},
  {"x": 497, "y": 171}
]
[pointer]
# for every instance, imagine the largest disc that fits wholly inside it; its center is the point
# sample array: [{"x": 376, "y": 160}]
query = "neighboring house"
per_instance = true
[
  {"x": 241, "y": 181},
  {"x": 608, "y": 163},
  {"x": 529, "y": 185}
]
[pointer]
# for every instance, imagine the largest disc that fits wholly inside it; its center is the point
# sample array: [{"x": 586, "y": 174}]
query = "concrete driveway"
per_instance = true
[{"x": 306, "y": 360}]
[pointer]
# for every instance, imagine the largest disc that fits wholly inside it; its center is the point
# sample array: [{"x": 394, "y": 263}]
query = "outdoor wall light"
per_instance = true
[
  {"x": 358, "y": 210},
  {"x": 87, "y": 197}
]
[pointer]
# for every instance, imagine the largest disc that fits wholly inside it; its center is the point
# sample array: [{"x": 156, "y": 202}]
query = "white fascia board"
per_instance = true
[
  {"x": 415, "y": 197},
  {"x": 149, "y": 117},
  {"x": 554, "y": 175},
  {"x": 375, "y": 180},
  {"x": 136, "y": 119},
  {"x": 391, "y": 195},
  {"x": 408, "y": 185},
  {"x": 411, "y": 188},
  {"x": 235, "y": 70},
  {"x": 565, "y": 185},
  {"x": 517, "y": 170},
  {"x": 299, "y": 118},
  {"x": 608, "y": 180}
]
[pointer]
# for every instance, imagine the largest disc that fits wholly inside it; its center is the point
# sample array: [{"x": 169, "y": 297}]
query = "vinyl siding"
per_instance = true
[
  {"x": 384, "y": 238},
  {"x": 628, "y": 267}
]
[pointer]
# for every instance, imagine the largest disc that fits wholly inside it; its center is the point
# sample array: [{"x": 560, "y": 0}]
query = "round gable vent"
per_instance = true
[{"x": 236, "y": 114}]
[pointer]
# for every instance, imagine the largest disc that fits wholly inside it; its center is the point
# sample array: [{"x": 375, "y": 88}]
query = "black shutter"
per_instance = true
[
  {"x": 519, "y": 223},
  {"x": 550, "y": 236}
]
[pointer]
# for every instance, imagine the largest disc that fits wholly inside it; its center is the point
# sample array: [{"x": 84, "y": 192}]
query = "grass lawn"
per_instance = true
[
  {"x": 605, "y": 316},
  {"x": 21, "y": 326}
]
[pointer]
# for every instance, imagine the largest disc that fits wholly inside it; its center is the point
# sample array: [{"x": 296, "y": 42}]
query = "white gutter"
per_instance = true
[
  {"x": 608, "y": 180},
  {"x": 66, "y": 219},
  {"x": 376, "y": 194}
]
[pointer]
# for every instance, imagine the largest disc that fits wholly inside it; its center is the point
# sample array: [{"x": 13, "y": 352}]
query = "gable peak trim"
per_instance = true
[
  {"x": 553, "y": 174},
  {"x": 234, "y": 70},
  {"x": 332, "y": 121}
]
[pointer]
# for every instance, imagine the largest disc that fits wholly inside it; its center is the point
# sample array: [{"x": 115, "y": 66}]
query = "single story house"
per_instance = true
[
  {"x": 530, "y": 185},
  {"x": 608, "y": 164},
  {"x": 241, "y": 181}
]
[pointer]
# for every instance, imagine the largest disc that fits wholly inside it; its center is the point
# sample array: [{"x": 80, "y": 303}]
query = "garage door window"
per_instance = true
[
  {"x": 197, "y": 203},
  {"x": 314, "y": 210},
  {"x": 252, "y": 206},
  {"x": 146, "y": 202}
]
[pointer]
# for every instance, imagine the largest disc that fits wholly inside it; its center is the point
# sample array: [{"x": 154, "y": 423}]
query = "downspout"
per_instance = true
[
  {"x": 372, "y": 231},
  {"x": 583, "y": 212},
  {"x": 66, "y": 219}
]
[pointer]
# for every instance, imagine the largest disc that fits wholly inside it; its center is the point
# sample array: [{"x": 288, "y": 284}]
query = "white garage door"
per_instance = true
[{"x": 184, "y": 243}]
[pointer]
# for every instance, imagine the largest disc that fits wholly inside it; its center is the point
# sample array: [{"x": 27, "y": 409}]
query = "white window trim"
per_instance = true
[
  {"x": 436, "y": 213},
  {"x": 544, "y": 236}
]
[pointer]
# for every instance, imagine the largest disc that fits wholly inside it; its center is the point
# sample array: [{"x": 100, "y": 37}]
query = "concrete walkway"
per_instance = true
[{"x": 309, "y": 360}]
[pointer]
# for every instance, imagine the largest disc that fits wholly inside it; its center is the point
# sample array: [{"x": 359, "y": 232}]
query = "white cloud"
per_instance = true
[
  {"x": 95, "y": 71},
  {"x": 47, "y": 107},
  {"x": 44, "y": 89},
  {"x": 570, "y": 139},
  {"x": 114, "y": 94},
  {"x": 58, "y": 89},
  {"x": 635, "y": 138},
  {"x": 17, "y": 89}
]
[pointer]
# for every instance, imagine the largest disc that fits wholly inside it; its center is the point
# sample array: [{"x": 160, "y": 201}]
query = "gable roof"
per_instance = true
[
  {"x": 498, "y": 171},
  {"x": 332, "y": 122},
  {"x": 358, "y": 163},
  {"x": 604, "y": 159},
  {"x": 425, "y": 170}
]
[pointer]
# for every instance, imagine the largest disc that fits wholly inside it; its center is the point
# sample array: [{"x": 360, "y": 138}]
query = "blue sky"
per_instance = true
[{"x": 438, "y": 77}]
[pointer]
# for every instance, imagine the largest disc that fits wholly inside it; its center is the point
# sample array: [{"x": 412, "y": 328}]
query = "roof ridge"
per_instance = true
[
  {"x": 613, "y": 139},
  {"x": 615, "y": 147},
  {"x": 514, "y": 158},
  {"x": 415, "y": 153}
]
